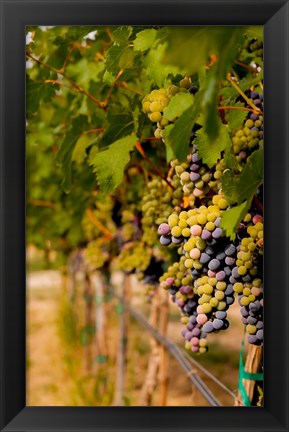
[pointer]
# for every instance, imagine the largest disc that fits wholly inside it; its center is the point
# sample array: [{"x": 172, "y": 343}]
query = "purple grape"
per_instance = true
[
  {"x": 217, "y": 233},
  {"x": 251, "y": 320},
  {"x": 165, "y": 240},
  {"x": 254, "y": 117},
  {"x": 214, "y": 264},
  {"x": 194, "y": 176},
  {"x": 244, "y": 311},
  {"x": 218, "y": 324},
  {"x": 229, "y": 300},
  {"x": 220, "y": 256},
  {"x": 196, "y": 332},
  {"x": 188, "y": 336},
  {"x": 177, "y": 240},
  {"x": 229, "y": 290},
  {"x": 194, "y": 167},
  {"x": 230, "y": 250},
  {"x": 209, "y": 250},
  {"x": 208, "y": 327},
  {"x": 259, "y": 325},
  {"x": 206, "y": 234},
  {"x": 221, "y": 275},
  {"x": 204, "y": 258},
  {"x": 221, "y": 315},
  {"x": 252, "y": 339},
  {"x": 164, "y": 229},
  {"x": 230, "y": 261}
]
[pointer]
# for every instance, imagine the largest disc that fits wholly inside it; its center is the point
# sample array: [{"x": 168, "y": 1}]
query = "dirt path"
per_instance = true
[{"x": 45, "y": 374}]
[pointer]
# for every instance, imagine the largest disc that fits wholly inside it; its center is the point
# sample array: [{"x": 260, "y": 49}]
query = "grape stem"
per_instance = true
[
  {"x": 250, "y": 68},
  {"x": 98, "y": 224},
  {"x": 124, "y": 85},
  {"x": 93, "y": 131},
  {"x": 42, "y": 203},
  {"x": 140, "y": 149},
  {"x": 249, "y": 101},
  {"x": 74, "y": 84},
  {"x": 229, "y": 107}
]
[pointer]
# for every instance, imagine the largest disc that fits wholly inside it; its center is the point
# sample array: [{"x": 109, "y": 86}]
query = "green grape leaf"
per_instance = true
[
  {"x": 109, "y": 164},
  {"x": 112, "y": 58},
  {"x": 144, "y": 40},
  {"x": 121, "y": 124},
  {"x": 189, "y": 48},
  {"x": 236, "y": 118},
  {"x": 121, "y": 35},
  {"x": 64, "y": 155},
  {"x": 108, "y": 78},
  {"x": 255, "y": 32},
  {"x": 177, "y": 135},
  {"x": 85, "y": 71},
  {"x": 210, "y": 150},
  {"x": 37, "y": 92},
  {"x": 241, "y": 187},
  {"x": 232, "y": 217},
  {"x": 177, "y": 105},
  {"x": 154, "y": 68}
]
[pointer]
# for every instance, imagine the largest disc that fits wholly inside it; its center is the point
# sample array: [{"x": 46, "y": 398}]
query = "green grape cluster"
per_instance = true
[
  {"x": 247, "y": 138},
  {"x": 134, "y": 257},
  {"x": 156, "y": 206},
  {"x": 103, "y": 214},
  {"x": 154, "y": 104},
  {"x": 97, "y": 253}
]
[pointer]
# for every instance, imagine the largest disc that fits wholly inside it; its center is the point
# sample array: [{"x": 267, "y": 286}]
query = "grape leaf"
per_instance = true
[
  {"x": 109, "y": 164},
  {"x": 108, "y": 78},
  {"x": 144, "y": 40},
  {"x": 255, "y": 32},
  {"x": 178, "y": 104},
  {"x": 177, "y": 135},
  {"x": 112, "y": 58},
  {"x": 121, "y": 35},
  {"x": 154, "y": 68},
  {"x": 210, "y": 150},
  {"x": 189, "y": 48},
  {"x": 232, "y": 217},
  {"x": 121, "y": 123},
  {"x": 64, "y": 154},
  {"x": 236, "y": 118},
  {"x": 238, "y": 188},
  {"x": 37, "y": 92}
]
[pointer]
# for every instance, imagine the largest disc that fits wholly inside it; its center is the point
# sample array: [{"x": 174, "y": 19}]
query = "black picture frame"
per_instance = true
[{"x": 15, "y": 15}]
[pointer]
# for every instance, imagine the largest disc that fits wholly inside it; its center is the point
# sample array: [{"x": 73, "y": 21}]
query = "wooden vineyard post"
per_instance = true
[
  {"x": 122, "y": 353},
  {"x": 164, "y": 358},
  {"x": 150, "y": 381},
  {"x": 252, "y": 366},
  {"x": 88, "y": 298}
]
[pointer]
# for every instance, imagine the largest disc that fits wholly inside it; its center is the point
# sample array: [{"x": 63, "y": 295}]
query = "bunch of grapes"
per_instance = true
[
  {"x": 196, "y": 178},
  {"x": 133, "y": 257},
  {"x": 195, "y": 337},
  {"x": 97, "y": 253},
  {"x": 202, "y": 222},
  {"x": 250, "y": 137},
  {"x": 154, "y": 104},
  {"x": 247, "y": 280},
  {"x": 156, "y": 206}
]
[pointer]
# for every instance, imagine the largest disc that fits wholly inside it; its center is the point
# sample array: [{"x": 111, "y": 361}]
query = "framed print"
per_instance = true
[{"x": 136, "y": 192}]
